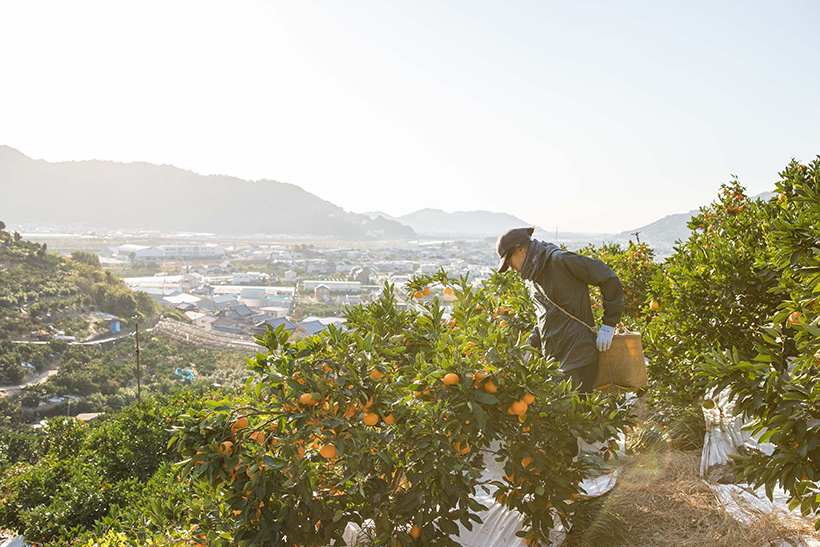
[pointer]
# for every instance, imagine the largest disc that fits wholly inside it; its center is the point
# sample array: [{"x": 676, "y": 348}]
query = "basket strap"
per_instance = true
[
  {"x": 544, "y": 294},
  {"x": 604, "y": 353}
]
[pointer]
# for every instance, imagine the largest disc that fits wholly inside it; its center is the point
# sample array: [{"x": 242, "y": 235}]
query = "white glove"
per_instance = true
[{"x": 605, "y": 337}]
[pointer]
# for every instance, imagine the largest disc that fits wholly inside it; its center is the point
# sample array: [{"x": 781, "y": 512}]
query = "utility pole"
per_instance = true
[{"x": 139, "y": 386}]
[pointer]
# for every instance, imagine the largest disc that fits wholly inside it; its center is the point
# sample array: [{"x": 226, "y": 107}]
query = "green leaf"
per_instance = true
[
  {"x": 486, "y": 398},
  {"x": 480, "y": 420}
]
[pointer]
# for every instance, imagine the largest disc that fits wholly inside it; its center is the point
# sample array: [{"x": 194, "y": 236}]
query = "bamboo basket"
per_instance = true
[{"x": 622, "y": 368}]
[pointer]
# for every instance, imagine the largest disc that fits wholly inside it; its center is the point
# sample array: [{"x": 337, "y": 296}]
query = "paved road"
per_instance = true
[
  {"x": 96, "y": 342},
  {"x": 42, "y": 377},
  {"x": 39, "y": 379}
]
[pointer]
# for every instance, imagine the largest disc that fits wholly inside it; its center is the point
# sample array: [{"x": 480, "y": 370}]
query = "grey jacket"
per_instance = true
[{"x": 565, "y": 277}]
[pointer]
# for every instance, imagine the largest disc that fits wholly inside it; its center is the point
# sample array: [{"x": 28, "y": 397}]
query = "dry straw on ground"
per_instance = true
[{"x": 661, "y": 501}]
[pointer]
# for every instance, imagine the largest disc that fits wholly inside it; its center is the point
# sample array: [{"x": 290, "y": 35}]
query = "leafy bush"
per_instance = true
[
  {"x": 85, "y": 470},
  {"x": 12, "y": 356},
  {"x": 777, "y": 379},
  {"x": 276, "y": 467},
  {"x": 90, "y": 259},
  {"x": 714, "y": 292},
  {"x": 635, "y": 266}
]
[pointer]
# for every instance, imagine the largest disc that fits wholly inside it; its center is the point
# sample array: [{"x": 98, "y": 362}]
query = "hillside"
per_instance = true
[
  {"x": 42, "y": 294},
  {"x": 435, "y": 222},
  {"x": 666, "y": 231},
  {"x": 114, "y": 195}
]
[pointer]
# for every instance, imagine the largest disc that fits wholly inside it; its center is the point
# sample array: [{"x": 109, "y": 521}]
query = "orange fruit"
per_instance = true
[
  {"x": 225, "y": 448},
  {"x": 794, "y": 318},
  {"x": 526, "y": 461},
  {"x": 306, "y": 399},
  {"x": 461, "y": 450},
  {"x": 241, "y": 423},
  {"x": 490, "y": 387},
  {"x": 258, "y": 436},
  {"x": 448, "y": 290},
  {"x": 418, "y": 294},
  {"x": 450, "y": 379},
  {"x": 415, "y": 532},
  {"x": 478, "y": 376},
  {"x": 655, "y": 305},
  {"x": 328, "y": 451},
  {"x": 370, "y": 419},
  {"x": 528, "y": 398},
  {"x": 376, "y": 374},
  {"x": 389, "y": 419},
  {"x": 426, "y": 291},
  {"x": 519, "y": 407},
  {"x": 502, "y": 324}
]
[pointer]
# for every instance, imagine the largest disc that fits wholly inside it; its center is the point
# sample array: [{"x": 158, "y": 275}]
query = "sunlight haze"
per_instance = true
[{"x": 581, "y": 116}]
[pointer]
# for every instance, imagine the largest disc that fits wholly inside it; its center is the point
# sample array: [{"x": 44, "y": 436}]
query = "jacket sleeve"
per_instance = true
[
  {"x": 594, "y": 272},
  {"x": 535, "y": 339}
]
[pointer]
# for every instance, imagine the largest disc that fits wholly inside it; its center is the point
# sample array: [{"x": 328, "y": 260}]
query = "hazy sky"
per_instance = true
[{"x": 588, "y": 116}]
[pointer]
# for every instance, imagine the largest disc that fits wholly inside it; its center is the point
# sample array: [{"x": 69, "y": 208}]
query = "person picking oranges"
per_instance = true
[{"x": 558, "y": 285}]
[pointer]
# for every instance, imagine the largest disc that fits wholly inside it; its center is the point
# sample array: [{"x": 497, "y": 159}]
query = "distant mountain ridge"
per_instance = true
[
  {"x": 671, "y": 228},
  {"x": 438, "y": 223},
  {"x": 162, "y": 197},
  {"x": 166, "y": 198}
]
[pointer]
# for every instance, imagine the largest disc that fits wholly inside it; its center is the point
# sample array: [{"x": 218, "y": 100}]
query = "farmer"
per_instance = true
[{"x": 554, "y": 276}]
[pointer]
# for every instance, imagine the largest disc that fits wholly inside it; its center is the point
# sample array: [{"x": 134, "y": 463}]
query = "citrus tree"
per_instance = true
[
  {"x": 388, "y": 424},
  {"x": 635, "y": 265},
  {"x": 77, "y": 475},
  {"x": 713, "y": 293},
  {"x": 776, "y": 382}
]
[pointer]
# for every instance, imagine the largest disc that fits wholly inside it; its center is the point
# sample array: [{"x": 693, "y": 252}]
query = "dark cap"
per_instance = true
[{"x": 508, "y": 241}]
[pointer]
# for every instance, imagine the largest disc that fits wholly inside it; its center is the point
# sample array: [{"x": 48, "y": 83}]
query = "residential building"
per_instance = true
[
  {"x": 167, "y": 252},
  {"x": 334, "y": 286},
  {"x": 262, "y": 326},
  {"x": 218, "y": 302},
  {"x": 314, "y": 325},
  {"x": 249, "y": 278},
  {"x": 360, "y": 274},
  {"x": 321, "y": 293}
]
